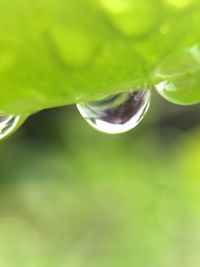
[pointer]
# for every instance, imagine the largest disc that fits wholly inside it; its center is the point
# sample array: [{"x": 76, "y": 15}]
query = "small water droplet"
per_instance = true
[
  {"x": 180, "y": 77},
  {"x": 180, "y": 91},
  {"x": 8, "y": 123},
  {"x": 117, "y": 113}
]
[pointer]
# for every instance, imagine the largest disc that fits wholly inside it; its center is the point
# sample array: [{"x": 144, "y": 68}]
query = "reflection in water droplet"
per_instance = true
[
  {"x": 8, "y": 124},
  {"x": 180, "y": 76},
  {"x": 118, "y": 113}
]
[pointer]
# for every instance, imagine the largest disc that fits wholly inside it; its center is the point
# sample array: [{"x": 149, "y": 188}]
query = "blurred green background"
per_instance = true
[{"x": 73, "y": 197}]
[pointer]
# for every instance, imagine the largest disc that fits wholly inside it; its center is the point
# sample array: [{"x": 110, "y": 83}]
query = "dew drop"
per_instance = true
[
  {"x": 117, "y": 113},
  {"x": 180, "y": 77},
  {"x": 182, "y": 91},
  {"x": 8, "y": 123}
]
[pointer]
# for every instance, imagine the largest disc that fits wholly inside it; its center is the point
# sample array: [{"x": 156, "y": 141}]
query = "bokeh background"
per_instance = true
[{"x": 74, "y": 197}]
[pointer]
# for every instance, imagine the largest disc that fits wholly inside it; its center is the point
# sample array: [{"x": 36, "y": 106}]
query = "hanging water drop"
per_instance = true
[
  {"x": 181, "y": 90},
  {"x": 117, "y": 113},
  {"x": 180, "y": 77},
  {"x": 8, "y": 123}
]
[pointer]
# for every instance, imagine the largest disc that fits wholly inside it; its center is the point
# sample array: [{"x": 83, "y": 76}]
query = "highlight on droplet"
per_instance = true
[{"x": 8, "y": 124}]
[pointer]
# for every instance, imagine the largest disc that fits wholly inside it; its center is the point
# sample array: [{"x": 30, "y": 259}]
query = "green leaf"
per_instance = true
[{"x": 54, "y": 53}]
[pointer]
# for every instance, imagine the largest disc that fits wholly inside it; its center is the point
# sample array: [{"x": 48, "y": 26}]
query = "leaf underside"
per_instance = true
[{"x": 54, "y": 53}]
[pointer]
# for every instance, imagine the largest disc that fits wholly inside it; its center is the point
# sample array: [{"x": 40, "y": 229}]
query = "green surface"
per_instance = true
[{"x": 59, "y": 52}]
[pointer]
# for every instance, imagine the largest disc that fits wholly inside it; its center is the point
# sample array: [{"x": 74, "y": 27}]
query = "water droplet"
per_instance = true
[
  {"x": 180, "y": 92},
  {"x": 117, "y": 113},
  {"x": 8, "y": 123},
  {"x": 180, "y": 77}
]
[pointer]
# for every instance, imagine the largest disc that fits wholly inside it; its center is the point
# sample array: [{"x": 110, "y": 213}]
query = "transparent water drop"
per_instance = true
[
  {"x": 180, "y": 77},
  {"x": 8, "y": 123},
  {"x": 182, "y": 91},
  {"x": 117, "y": 113}
]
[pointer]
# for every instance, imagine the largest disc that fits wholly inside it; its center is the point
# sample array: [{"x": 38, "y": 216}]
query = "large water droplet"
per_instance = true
[
  {"x": 8, "y": 123},
  {"x": 180, "y": 76},
  {"x": 118, "y": 113}
]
